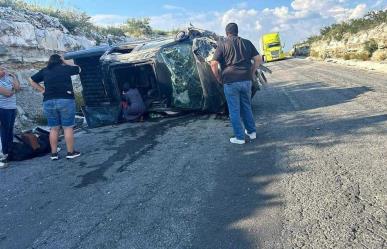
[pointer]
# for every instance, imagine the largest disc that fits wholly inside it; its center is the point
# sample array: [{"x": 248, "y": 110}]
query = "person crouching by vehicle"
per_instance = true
[
  {"x": 133, "y": 106},
  {"x": 58, "y": 101},
  {"x": 9, "y": 85}
]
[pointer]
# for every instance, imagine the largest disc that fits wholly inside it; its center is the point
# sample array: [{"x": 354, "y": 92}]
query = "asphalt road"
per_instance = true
[{"x": 314, "y": 178}]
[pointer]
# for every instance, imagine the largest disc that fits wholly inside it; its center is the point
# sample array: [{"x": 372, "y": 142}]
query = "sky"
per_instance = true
[{"x": 296, "y": 20}]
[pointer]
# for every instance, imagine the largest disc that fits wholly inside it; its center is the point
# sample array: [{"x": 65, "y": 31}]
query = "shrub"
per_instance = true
[
  {"x": 379, "y": 55},
  {"x": 347, "y": 57},
  {"x": 364, "y": 56},
  {"x": 314, "y": 54},
  {"x": 110, "y": 30},
  {"x": 371, "y": 46},
  {"x": 138, "y": 27}
]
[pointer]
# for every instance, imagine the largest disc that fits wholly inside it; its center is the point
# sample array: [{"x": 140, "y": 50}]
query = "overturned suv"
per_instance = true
[{"x": 172, "y": 74}]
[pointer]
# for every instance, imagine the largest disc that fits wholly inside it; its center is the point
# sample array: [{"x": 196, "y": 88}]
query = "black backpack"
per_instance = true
[{"x": 25, "y": 149}]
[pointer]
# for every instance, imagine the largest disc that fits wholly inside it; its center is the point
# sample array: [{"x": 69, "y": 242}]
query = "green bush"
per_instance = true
[
  {"x": 110, "y": 30},
  {"x": 371, "y": 46},
  {"x": 137, "y": 27}
]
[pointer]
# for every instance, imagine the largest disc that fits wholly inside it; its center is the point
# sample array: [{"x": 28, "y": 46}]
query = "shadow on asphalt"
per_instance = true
[
  {"x": 138, "y": 149},
  {"x": 245, "y": 177},
  {"x": 309, "y": 96},
  {"x": 240, "y": 196},
  {"x": 243, "y": 180}
]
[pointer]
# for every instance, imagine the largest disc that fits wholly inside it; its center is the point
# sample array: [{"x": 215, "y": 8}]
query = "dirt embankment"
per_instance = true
[{"x": 364, "y": 45}]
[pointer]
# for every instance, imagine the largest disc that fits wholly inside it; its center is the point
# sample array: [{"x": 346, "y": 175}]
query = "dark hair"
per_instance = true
[
  {"x": 54, "y": 60},
  {"x": 126, "y": 86},
  {"x": 232, "y": 28}
]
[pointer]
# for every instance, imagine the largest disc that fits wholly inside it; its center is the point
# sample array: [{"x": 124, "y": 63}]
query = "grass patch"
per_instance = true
[
  {"x": 363, "y": 56},
  {"x": 314, "y": 54},
  {"x": 379, "y": 55}
]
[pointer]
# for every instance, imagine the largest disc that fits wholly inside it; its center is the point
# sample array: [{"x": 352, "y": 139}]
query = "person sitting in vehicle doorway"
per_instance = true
[
  {"x": 9, "y": 85},
  {"x": 133, "y": 107},
  {"x": 58, "y": 101}
]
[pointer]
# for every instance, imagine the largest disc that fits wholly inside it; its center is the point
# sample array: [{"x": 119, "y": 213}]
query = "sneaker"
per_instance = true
[
  {"x": 74, "y": 154},
  {"x": 3, "y": 165},
  {"x": 3, "y": 157},
  {"x": 235, "y": 140},
  {"x": 54, "y": 156},
  {"x": 252, "y": 135}
]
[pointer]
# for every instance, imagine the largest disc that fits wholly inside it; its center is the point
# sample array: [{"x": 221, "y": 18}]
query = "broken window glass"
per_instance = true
[
  {"x": 203, "y": 49},
  {"x": 187, "y": 91}
]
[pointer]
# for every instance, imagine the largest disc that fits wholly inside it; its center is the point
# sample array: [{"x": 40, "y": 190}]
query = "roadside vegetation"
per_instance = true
[
  {"x": 340, "y": 32},
  {"x": 76, "y": 21}
]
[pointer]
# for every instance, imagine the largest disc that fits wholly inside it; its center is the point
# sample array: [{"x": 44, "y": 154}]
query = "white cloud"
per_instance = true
[
  {"x": 309, "y": 5},
  {"x": 172, "y": 7},
  {"x": 258, "y": 26},
  {"x": 302, "y": 19},
  {"x": 108, "y": 20},
  {"x": 359, "y": 11}
]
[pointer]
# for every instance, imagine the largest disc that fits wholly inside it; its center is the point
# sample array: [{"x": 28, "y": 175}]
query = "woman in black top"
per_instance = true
[{"x": 58, "y": 101}]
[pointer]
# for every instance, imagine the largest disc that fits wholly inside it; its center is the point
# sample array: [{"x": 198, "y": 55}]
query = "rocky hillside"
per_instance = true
[
  {"x": 364, "y": 45},
  {"x": 30, "y": 37},
  {"x": 361, "y": 39},
  {"x": 27, "y": 39}
]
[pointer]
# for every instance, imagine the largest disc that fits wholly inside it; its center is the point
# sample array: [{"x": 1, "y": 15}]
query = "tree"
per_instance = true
[{"x": 138, "y": 27}]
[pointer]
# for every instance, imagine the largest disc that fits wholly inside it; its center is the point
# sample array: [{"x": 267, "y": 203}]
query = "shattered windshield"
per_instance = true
[
  {"x": 272, "y": 45},
  {"x": 187, "y": 91}
]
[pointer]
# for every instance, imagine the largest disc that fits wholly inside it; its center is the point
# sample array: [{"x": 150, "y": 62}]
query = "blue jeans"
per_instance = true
[
  {"x": 60, "y": 112},
  {"x": 238, "y": 96},
  {"x": 7, "y": 119}
]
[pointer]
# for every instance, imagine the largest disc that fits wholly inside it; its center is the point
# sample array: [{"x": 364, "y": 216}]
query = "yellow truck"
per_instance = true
[{"x": 271, "y": 47}]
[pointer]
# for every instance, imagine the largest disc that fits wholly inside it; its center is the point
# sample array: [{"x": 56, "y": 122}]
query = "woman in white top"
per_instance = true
[{"x": 8, "y": 87}]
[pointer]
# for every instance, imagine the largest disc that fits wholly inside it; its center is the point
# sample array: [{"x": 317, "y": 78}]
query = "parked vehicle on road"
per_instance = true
[{"x": 271, "y": 47}]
